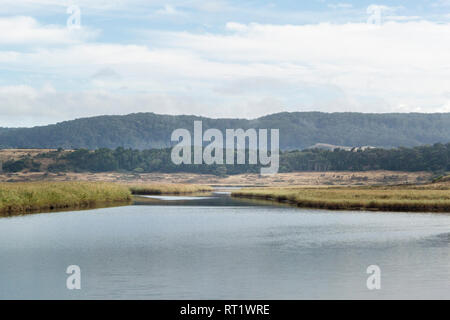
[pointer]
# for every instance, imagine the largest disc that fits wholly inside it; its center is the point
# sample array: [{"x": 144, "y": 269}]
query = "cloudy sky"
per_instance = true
[{"x": 221, "y": 58}]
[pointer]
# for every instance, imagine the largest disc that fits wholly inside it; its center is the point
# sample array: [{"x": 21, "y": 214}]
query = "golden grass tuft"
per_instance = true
[
  {"x": 157, "y": 189},
  {"x": 39, "y": 196},
  {"x": 23, "y": 197},
  {"x": 396, "y": 198}
]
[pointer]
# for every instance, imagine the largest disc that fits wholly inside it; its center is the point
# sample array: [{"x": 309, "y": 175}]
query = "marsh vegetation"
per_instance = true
[
  {"x": 38, "y": 196},
  {"x": 25, "y": 197},
  {"x": 428, "y": 198}
]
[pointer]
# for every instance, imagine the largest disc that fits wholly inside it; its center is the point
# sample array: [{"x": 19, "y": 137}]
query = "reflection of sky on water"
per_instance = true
[
  {"x": 220, "y": 248},
  {"x": 176, "y": 198}
]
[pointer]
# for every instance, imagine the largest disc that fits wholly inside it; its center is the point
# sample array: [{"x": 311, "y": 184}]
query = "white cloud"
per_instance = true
[
  {"x": 91, "y": 4},
  {"x": 168, "y": 10},
  {"x": 401, "y": 18},
  {"x": 251, "y": 70},
  {"x": 46, "y": 105},
  {"x": 106, "y": 74},
  {"x": 27, "y": 31},
  {"x": 108, "y": 6}
]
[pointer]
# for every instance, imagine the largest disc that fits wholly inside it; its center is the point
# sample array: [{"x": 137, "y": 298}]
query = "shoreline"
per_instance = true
[
  {"x": 35, "y": 197},
  {"x": 301, "y": 178},
  {"x": 22, "y": 198},
  {"x": 391, "y": 199},
  {"x": 38, "y": 197}
]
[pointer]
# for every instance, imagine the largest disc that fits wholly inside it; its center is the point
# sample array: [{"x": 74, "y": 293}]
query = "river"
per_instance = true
[{"x": 217, "y": 247}]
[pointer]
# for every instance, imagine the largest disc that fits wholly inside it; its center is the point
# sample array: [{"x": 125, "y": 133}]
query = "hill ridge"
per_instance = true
[{"x": 298, "y": 130}]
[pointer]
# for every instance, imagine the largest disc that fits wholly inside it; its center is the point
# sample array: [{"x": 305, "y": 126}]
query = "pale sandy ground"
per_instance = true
[
  {"x": 16, "y": 154},
  {"x": 281, "y": 179}
]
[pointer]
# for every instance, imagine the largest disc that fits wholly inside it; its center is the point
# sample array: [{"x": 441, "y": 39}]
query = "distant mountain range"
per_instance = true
[{"x": 298, "y": 130}]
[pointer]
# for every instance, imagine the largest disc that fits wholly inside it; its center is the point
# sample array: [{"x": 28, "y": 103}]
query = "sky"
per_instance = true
[{"x": 66, "y": 59}]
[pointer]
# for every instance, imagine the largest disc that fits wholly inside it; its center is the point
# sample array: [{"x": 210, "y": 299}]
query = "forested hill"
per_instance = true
[{"x": 298, "y": 130}]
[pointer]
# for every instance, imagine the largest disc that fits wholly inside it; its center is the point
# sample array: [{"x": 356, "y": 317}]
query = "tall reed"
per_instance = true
[
  {"x": 32, "y": 196},
  {"x": 396, "y": 198}
]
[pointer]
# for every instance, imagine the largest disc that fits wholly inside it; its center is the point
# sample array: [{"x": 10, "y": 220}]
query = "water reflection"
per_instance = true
[
  {"x": 98, "y": 205},
  {"x": 176, "y": 198},
  {"x": 217, "y": 247},
  {"x": 217, "y": 198}
]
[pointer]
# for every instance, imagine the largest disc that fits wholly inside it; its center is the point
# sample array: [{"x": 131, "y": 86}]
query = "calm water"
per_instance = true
[{"x": 218, "y": 248}]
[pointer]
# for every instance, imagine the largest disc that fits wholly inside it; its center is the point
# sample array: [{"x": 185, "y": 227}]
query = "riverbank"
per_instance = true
[
  {"x": 27, "y": 197},
  {"x": 40, "y": 196},
  {"x": 168, "y": 189},
  {"x": 428, "y": 198},
  {"x": 329, "y": 178}
]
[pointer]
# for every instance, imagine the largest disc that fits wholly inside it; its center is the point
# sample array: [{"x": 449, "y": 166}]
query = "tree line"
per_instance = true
[{"x": 434, "y": 158}]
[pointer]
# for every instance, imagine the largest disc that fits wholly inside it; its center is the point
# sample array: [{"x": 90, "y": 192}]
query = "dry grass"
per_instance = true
[
  {"x": 395, "y": 198},
  {"x": 276, "y": 180},
  {"x": 16, "y": 154},
  {"x": 39, "y": 196},
  {"x": 155, "y": 189},
  {"x": 26, "y": 197}
]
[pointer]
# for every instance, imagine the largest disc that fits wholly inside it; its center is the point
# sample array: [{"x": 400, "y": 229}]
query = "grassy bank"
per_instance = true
[
  {"x": 26, "y": 197},
  {"x": 396, "y": 198},
  {"x": 39, "y": 196},
  {"x": 157, "y": 189}
]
